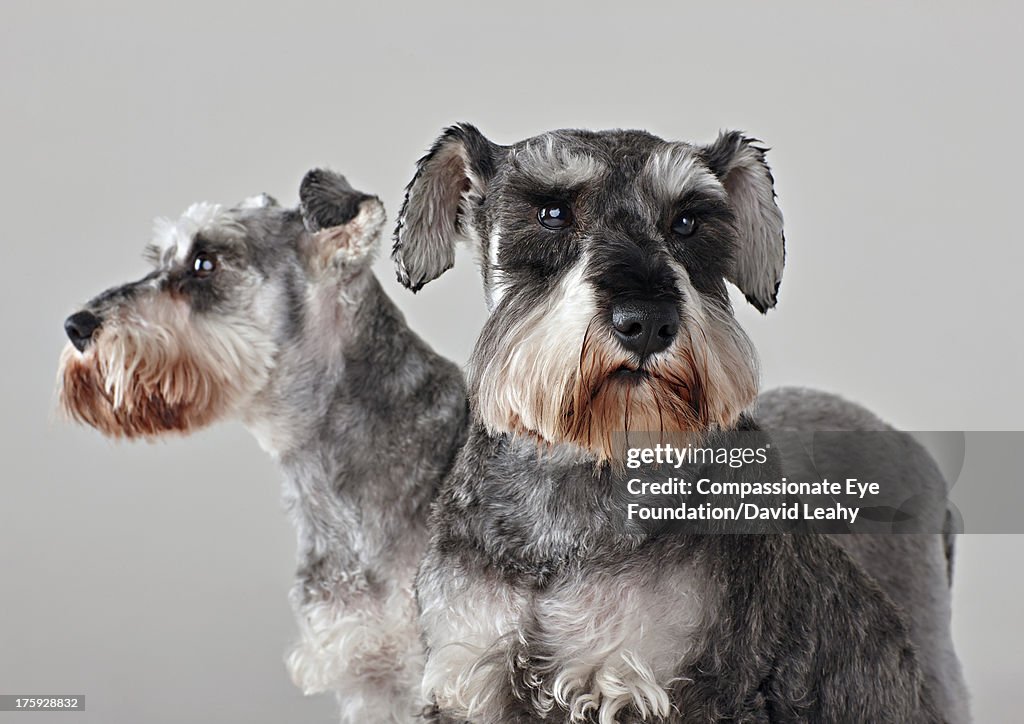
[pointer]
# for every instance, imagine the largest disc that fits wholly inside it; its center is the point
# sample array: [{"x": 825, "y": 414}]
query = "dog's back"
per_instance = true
[{"x": 913, "y": 569}]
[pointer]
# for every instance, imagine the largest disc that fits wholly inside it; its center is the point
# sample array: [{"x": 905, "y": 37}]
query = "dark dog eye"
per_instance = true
[
  {"x": 203, "y": 265},
  {"x": 684, "y": 225},
  {"x": 555, "y": 216}
]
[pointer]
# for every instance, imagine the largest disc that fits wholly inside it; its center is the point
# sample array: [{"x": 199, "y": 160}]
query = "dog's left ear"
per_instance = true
[
  {"x": 343, "y": 224},
  {"x": 739, "y": 163},
  {"x": 439, "y": 204}
]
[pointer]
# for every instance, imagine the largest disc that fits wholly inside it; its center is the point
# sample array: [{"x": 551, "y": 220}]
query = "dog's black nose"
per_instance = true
[
  {"x": 645, "y": 327},
  {"x": 80, "y": 328}
]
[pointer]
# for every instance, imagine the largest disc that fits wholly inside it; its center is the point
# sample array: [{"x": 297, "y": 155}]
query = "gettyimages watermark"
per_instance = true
[{"x": 822, "y": 482}]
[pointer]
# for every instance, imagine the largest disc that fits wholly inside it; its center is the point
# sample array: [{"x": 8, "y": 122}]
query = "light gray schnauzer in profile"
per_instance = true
[
  {"x": 273, "y": 316},
  {"x": 605, "y": 257}
]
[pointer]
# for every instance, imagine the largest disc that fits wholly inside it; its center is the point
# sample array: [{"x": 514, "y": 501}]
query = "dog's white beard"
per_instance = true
[
  {"x": 522, "y": 387},
  {"x": 553, "y": 375},
  {"x": 157, "y": 368}
]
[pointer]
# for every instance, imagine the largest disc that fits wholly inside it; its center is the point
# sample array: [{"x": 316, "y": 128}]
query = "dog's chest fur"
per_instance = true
[
  {"x": 541, "y": 614},
  {"x": 589, "y": 646}
]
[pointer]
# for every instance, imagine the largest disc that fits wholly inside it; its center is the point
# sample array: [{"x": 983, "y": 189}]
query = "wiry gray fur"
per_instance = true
[
  {"x": 540, "y": 602},
  {"x": 801, "y": 633},
  {"x": 915, "y": 570},
  {"x": 362, "y": 416}
]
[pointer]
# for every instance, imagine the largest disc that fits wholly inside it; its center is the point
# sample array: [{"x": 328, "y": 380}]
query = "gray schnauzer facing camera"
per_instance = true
[
  {"x": 605, "y": 257},
  {"x": 273, "y": 316}
]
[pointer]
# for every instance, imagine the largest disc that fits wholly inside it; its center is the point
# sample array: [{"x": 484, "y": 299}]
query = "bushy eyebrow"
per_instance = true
[
  {"x": 546, "y": 163},
  {"x": 207, "y": 224},
  {"x": 675, "y": 172}
]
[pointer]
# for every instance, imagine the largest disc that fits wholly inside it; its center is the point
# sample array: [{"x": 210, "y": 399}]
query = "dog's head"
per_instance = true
[
  {"x": 605, "y": 258},
  {"x": 201, "y": 334}
]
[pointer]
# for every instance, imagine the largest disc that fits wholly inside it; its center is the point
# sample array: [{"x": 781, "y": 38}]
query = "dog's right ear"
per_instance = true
[
  {"x": 451, "y": 179},
  {"x": 343, "y": 224}
]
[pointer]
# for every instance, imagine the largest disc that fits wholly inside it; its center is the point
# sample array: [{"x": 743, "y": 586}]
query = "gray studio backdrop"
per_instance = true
[{"x": 153, "y": 578}]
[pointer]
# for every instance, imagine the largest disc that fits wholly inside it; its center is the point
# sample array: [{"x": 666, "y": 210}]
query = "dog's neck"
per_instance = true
[
  {"x": 528, "y": 506},
  {"x": 363, "y": 436}
]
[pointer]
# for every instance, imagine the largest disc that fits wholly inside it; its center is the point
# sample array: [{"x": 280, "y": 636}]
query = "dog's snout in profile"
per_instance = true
[
  {"x": 645, "y": 327},
  {"x": 80, "y": 327}
]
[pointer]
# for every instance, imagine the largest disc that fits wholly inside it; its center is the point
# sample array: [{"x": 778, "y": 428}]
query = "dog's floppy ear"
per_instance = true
[
  {"x": 437, "y": 212},
  {"x": 344, "y": 224},
  {"x": 739, "y": 163}
]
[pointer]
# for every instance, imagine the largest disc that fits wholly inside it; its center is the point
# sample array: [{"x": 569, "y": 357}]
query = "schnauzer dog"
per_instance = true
[
  {"x": 274, "y": 317},
  {"x": 604, "y": 258}
]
